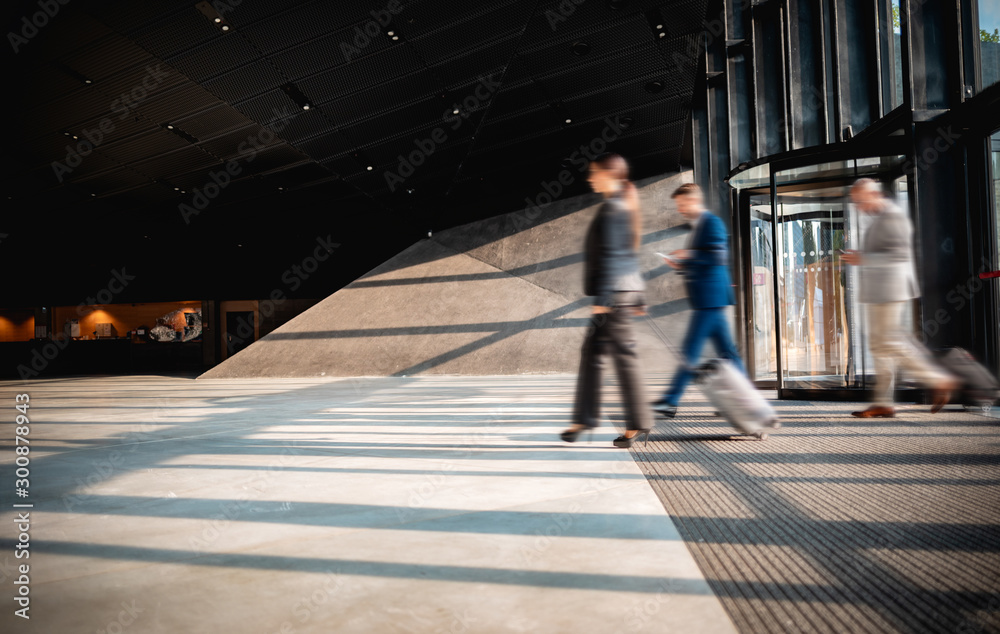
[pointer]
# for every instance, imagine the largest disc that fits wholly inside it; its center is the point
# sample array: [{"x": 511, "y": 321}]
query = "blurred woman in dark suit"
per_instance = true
[{"x": 612, "y": 276}]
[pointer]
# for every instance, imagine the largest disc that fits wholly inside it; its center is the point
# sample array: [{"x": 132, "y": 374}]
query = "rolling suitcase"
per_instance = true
[
  {"x": 979, "y": 387},
  {"x": 735, "y": 397},
  {"x": 731, "y": 393}
]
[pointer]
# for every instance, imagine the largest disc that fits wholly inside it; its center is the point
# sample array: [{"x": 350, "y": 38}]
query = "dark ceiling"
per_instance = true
[{"x": 170, "y": 99}]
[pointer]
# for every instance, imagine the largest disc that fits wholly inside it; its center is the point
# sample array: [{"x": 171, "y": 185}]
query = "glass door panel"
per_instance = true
[
  {"x": 822, "y": 328},
  {"x": 762, "y": 331},
  {"x": 995, "y": 176}
]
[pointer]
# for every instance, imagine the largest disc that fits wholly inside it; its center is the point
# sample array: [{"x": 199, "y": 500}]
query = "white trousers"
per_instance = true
[{"x": 893, "y": 348}]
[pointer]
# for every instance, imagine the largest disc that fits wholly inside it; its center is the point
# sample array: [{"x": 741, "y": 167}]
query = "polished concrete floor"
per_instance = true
[{"x": 441, "y": 504}]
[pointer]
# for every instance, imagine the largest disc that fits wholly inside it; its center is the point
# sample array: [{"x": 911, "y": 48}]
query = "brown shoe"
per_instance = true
[
  {"x": 939, "y": 398},
  {"x": 876, "y": 411},
  {"x": 941, "y": 395}
]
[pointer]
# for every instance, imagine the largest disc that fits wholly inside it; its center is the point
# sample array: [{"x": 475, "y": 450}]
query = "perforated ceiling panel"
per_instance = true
[{"x": 342, "y": 108}]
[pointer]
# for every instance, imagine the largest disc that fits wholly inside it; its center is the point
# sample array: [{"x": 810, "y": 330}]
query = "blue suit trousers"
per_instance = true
[{"x": 706, "y": 323}]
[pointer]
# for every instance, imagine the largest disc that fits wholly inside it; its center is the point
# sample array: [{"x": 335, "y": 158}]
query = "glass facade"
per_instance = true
[
  {"x": 896, "y": 99},
  {"x": 814, "y": 95},
  {"x": 989, "y": 41},
  {"x": 801, "y": 301},
  {"x": 995, "y": 182}
]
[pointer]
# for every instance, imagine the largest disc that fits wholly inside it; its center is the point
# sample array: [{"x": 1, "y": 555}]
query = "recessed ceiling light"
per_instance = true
[
  {"x": 94, "y": 195},
  {"x": 391, "y": 33},
  {"x": 74, "y": 137},
  {"x": 659, "y": 26},
  {"x": 87, "y": 81},
  {"x": 217, "y": 20},
  {"x": 663, "y": 34},
  {"x": 177, "y": 189},
  {"x": 395, "y": 37},
  {"x": 455, "y": 111},
  {"x": 305, "y": 107},
  {"x": 67, "y": 133},
  {"x": 170, "y": 127},
  {"x": 370, "y": 168},
  {"x": 225, "y": 27},
  {"x": 569, "y": 121}
]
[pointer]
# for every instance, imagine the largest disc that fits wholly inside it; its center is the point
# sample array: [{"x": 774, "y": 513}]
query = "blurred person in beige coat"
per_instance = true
[{"x": 888, "y": 283}]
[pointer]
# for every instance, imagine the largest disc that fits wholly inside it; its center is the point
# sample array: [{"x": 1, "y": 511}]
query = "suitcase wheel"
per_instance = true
[
  {"x": 774, "y": 424},
  {"x": 761, "y": 435}
]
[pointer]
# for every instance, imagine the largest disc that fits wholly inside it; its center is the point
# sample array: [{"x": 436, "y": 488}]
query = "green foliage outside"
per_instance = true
[{"x": 984, "y": 35}]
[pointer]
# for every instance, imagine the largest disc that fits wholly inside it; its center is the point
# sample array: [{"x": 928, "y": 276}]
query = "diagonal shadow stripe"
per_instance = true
[
  {"x": 423, "y": 572},
  {"x": 370, "y": 516}
]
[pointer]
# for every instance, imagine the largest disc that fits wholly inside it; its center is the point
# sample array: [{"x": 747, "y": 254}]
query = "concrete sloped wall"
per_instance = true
[{"x": 498, "y": 296}]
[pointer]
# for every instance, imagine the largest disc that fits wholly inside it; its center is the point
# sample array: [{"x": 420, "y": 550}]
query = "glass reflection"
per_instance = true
[{"x": 989, "y": 40}]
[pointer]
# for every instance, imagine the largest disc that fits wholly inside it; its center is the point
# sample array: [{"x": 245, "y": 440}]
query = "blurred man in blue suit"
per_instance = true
[{"x": 705, "y": 265}]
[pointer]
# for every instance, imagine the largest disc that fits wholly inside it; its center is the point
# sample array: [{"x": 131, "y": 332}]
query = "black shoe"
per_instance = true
[
  {"x": 625, "y": 443},
  {"x": 665, "y": 410},
  {"x": 570, "y": 435}
]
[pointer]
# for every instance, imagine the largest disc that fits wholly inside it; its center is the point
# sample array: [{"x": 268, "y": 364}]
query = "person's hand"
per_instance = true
[
  {"x": 599, "y": 310},
  {"x": 851, "y": 257},
  {"x": 681, "y": 254},
  {"x": 639, "y": 311}
]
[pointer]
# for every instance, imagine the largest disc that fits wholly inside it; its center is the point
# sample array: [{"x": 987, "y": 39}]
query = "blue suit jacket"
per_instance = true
[{"x": 707, "y": 270}]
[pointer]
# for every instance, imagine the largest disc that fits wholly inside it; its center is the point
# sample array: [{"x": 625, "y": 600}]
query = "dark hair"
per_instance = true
[
  {"x": 614, "y": 163},
  {"x": 618, "y": 166},
  {"x": 685, "y": 190}
]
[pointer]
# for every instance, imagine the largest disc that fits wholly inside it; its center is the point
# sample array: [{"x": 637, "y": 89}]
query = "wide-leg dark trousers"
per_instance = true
[{"x": 612, "y": 334}]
